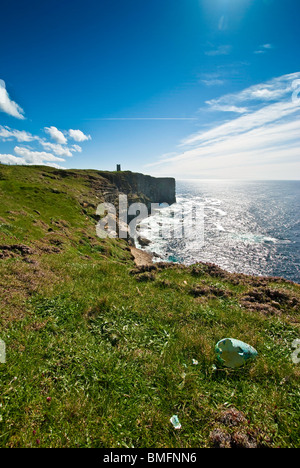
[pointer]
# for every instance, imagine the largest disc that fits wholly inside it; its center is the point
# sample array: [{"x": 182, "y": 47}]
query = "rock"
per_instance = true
[{"x": 143, "y": 241}]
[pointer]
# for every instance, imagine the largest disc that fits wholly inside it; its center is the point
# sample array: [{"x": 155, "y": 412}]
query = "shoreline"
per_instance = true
[{"x": 144, "y": 259}]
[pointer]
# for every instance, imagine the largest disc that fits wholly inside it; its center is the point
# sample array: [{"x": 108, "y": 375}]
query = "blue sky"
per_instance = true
[{"x": 183, "y": 88}]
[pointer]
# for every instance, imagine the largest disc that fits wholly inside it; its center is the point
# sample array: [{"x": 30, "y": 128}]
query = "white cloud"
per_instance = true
[
  {"x": 56, "y": 148},
  {"x": 30, "y": 158},
  {"x": 76, "y": 149},
  {"x": 228, "y": 108},
  {"x": 35, "y": 157},
  {"x": 78, "y": 135},
  {"x": 55, "y": 151},
  {"x": 10, "y": 159},
  {"x": 56, "y": 135},
  {"x": 253, "y": 145},
  {"x": 273, "y": 90},
  {"x": 7, "y": 105},
  {"x": 61, "y": 150},
  {"x": 27, "y": 157},
  {"x": 7, "y": 133},
  {"x": 256, "y": 119}
]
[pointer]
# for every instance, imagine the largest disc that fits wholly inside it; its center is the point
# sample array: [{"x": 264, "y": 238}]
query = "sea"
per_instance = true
[{"x": 250, "y": 227}]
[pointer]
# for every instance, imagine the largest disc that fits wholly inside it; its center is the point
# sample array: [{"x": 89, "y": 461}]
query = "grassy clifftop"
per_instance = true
[{"x": 100, "y": 352}]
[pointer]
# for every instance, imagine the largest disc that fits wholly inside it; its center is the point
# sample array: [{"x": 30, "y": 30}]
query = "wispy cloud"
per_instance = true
[
  {"x": 212, "y": 79},
  {"x": 213, "y": 82},
  {"x": 257, "y": 143},
  {"x": 223, "y": 23},
  {"x": 263, "y": 49},
  {"x": 221, "y": 50},
  {"x": 228, "y": 108},
  {"x": 273, "y": 90},
  {"x": 7, "y": 105},
  {"x": 76, "y": 149},
  {"x": 146, "y": 118}
]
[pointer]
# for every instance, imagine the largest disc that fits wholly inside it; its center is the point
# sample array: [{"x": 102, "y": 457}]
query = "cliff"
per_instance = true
[
  {"x": 91, "y": 187},
  {"x": 109, "y": 185},
  {"x": 140, "y": 187}
]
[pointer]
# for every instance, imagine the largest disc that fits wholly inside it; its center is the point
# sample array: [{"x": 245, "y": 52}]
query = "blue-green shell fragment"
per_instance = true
[{"x": 234, "y": 353}]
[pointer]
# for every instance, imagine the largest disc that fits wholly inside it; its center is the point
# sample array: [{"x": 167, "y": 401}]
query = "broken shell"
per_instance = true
[{"x": 234, "y": 353}]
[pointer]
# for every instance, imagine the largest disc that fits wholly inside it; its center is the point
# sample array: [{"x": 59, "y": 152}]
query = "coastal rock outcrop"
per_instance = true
[{"x": 142, "y": 188}]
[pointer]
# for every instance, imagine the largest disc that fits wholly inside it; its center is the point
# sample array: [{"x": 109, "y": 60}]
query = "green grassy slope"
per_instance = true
[{"x": 100, "y": 352}]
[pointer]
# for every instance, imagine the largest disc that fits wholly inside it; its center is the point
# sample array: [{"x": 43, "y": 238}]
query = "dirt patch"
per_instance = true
[
  {"x": 269, "y": 301},
  {"x": 204, "y": 290},
  {"x": 220, "y": 439},
  {"x": 21, "y": 280},
  {"x": 49, "y": 249},
  {"x": 234, "y": 431},
  {"x": 39, "y": 223},
  {"x": 232, "y": 418},
  {"x": 50, "y": 244},
  {"x": 210, "y": 269},
  {"x": 144, "y": 277},
  {"x": 143, "y": 269},
  {"x": 18, "y": 213},
  {"x": 24, "y": 251},
  {"x": 9, "y": 251},
  {"x": 60, "y": 223}
]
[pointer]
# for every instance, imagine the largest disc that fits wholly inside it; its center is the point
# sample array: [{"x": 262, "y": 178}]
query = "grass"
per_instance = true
[{"x": 100, "y": 353}]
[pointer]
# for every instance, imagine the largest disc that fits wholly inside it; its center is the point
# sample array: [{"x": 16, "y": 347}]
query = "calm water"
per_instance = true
[{"x": 249, "y": 227}]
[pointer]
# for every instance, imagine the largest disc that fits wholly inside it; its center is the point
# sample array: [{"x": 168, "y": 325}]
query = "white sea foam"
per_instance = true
[{"x": 251, "y": 228}]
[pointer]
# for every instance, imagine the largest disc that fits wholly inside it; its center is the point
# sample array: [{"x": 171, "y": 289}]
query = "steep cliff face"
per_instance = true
[
  {"x": 142, "y": 188},
  {"x": 138, "y": 188},
  {"x": 109, "y": 185}
]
